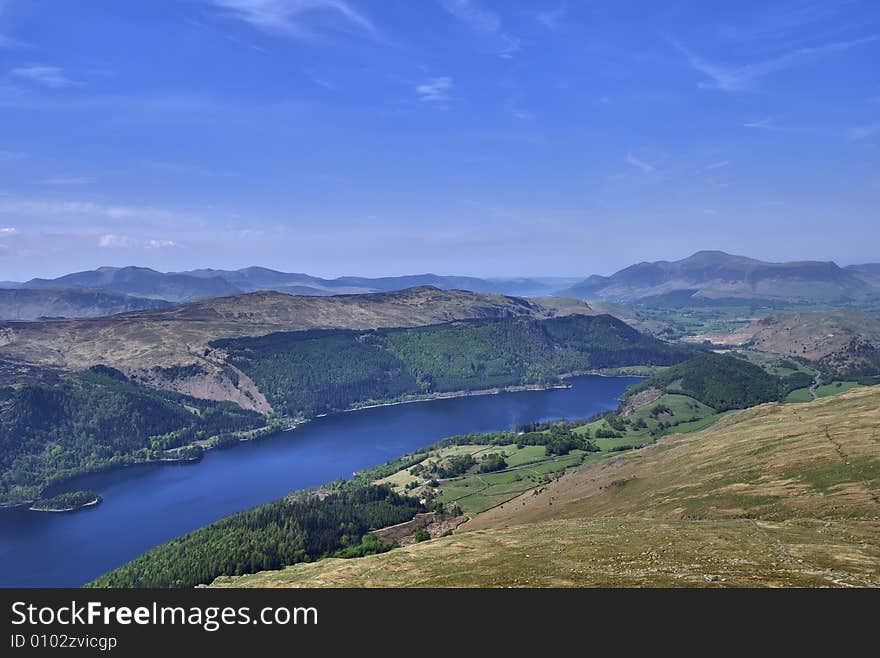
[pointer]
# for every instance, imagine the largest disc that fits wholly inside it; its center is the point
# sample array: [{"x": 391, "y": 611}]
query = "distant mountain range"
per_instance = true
[
  {"x": 207, "y": 283},
  {"x": 705, "y": 278},
  {"x": 712, "y": 277},
  {"x": 142, "y": 282},
  {"x": 34, "y": 304}
]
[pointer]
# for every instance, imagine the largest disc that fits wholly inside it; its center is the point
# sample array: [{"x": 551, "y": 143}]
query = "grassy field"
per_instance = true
[
  {"x": 824, "y": 391},
  {"x": 834, "y": 388},
  {"x": 800, "y": 395},
  {"x": 479, "y": 492},
  {"x": 513, "y": 455},
  {"x": 530, "y": 467},
  {"x": 776, "y": 495},
  {"x": 680, "y": 413}
]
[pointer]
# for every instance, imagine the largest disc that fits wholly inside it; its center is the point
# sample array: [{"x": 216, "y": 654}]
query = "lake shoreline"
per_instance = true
[
  {"x": 430, "y": 397},
  {"x": 78, "y": 508},
  {"x": 155, "y": 504},
  {"x": 292, "y": 424}
]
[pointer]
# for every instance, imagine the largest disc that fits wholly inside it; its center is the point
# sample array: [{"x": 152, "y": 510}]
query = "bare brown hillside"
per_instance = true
[
  {"x": 138, "y": 342},
  {"x": 813, "y": 335}
]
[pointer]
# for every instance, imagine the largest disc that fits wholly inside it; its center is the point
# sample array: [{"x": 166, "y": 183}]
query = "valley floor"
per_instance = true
[{"x": 776, "y": 495}]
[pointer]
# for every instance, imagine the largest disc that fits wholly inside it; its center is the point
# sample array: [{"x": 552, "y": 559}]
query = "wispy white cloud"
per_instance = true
[
  {"x": 111, "y": 241},
  {"x": 515, "y": 103},
  {"x": 68, "y": 180},
  {"x": 45, "y": 208},
  {"x": 48, "y": 76},
  {"x": 483, "y": 21},
  {"x": 638, "y": 163},
  {"x": 436, "y": 90},
  {"x": 321, "y": 80},
  {"x": 766, "y": 124},
  {"x": 475, "y": 16},
  {"x": 742, "y": 78},
  {"x": 160, "y": 244},
  {"x": 184, "y": 169},
  {"x": 8, "y": 230},
  {"x": 778, "y": 21},
  {"x": 298, "y": 19},
  {"x": 864, "y": 132},
  {"x": 716, "y": 165},
  {"x": 116, "y": 241},
  {"x": 552, "y": 18}
]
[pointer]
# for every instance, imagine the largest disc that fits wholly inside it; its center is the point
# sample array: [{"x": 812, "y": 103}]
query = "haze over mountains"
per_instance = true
[
  {"x": 709, "y": 276},
  {"x": 705, "y": 278},
  {"x": 205, "y": 283}
]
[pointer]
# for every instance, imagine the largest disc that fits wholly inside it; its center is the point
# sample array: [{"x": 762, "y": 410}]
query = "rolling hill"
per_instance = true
[
  {"x": 466, "y": 355},
  {"x": 871, "y": 269},
  {"x": 776, "y": 495},
  {"x": 717, "y": 380},
  {"x": 143, "y": 343},
  {"x": 843, "y": 343},
  {"x": 711, "y": 277},
  {"x": 35, "y": 304}
]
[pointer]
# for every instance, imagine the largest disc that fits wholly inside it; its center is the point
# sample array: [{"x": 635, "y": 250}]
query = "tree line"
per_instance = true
[{"x": 304, "y": 527}]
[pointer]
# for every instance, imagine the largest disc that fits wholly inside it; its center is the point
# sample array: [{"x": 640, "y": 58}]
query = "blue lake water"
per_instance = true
[{"x": 147, "y": 505}]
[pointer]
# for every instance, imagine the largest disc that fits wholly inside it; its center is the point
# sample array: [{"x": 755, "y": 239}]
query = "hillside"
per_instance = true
[
  {"x": 843, "y": 343},
  {"x": 869, "y": 270},
  {"x": 776, "y": 495},
  {"x": 359, "y": 367},
  {"x": 299, "y": 528},
  {"x": 711, "y": 277},
  {"x": 139, "y": 342},
  {"x": 811, "y": 335},
  {"x": 32, "y": 304},
  {"x": 718, "y": 381},
  {"x": 97, "y": 419}
]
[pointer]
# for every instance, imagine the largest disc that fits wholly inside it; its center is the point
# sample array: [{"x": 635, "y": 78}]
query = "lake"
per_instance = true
[{"x": 150, "y": 504}]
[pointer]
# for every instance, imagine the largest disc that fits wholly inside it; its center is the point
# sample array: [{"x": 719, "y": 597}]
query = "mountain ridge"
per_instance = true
[
  {"x": 193, "y": 285},
  {"x": 146, "y": 343},
  {"x": 713, "y": 275},
  {"x": 709, "y": 277}
]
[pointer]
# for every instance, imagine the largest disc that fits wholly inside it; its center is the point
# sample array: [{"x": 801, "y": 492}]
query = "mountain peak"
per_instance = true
[{"x": 716, "y": 275}]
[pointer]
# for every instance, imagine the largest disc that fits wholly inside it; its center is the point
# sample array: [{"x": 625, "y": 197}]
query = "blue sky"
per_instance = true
[{"x": 484, "y": 137}]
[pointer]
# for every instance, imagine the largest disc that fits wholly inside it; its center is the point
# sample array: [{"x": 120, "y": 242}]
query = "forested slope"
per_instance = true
[
  {"x": 302, "y": 528},
  {"x": 720, "y": 381},
  {"x": 97, "y": 419},
  {"x": 322, "y": 371}
]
